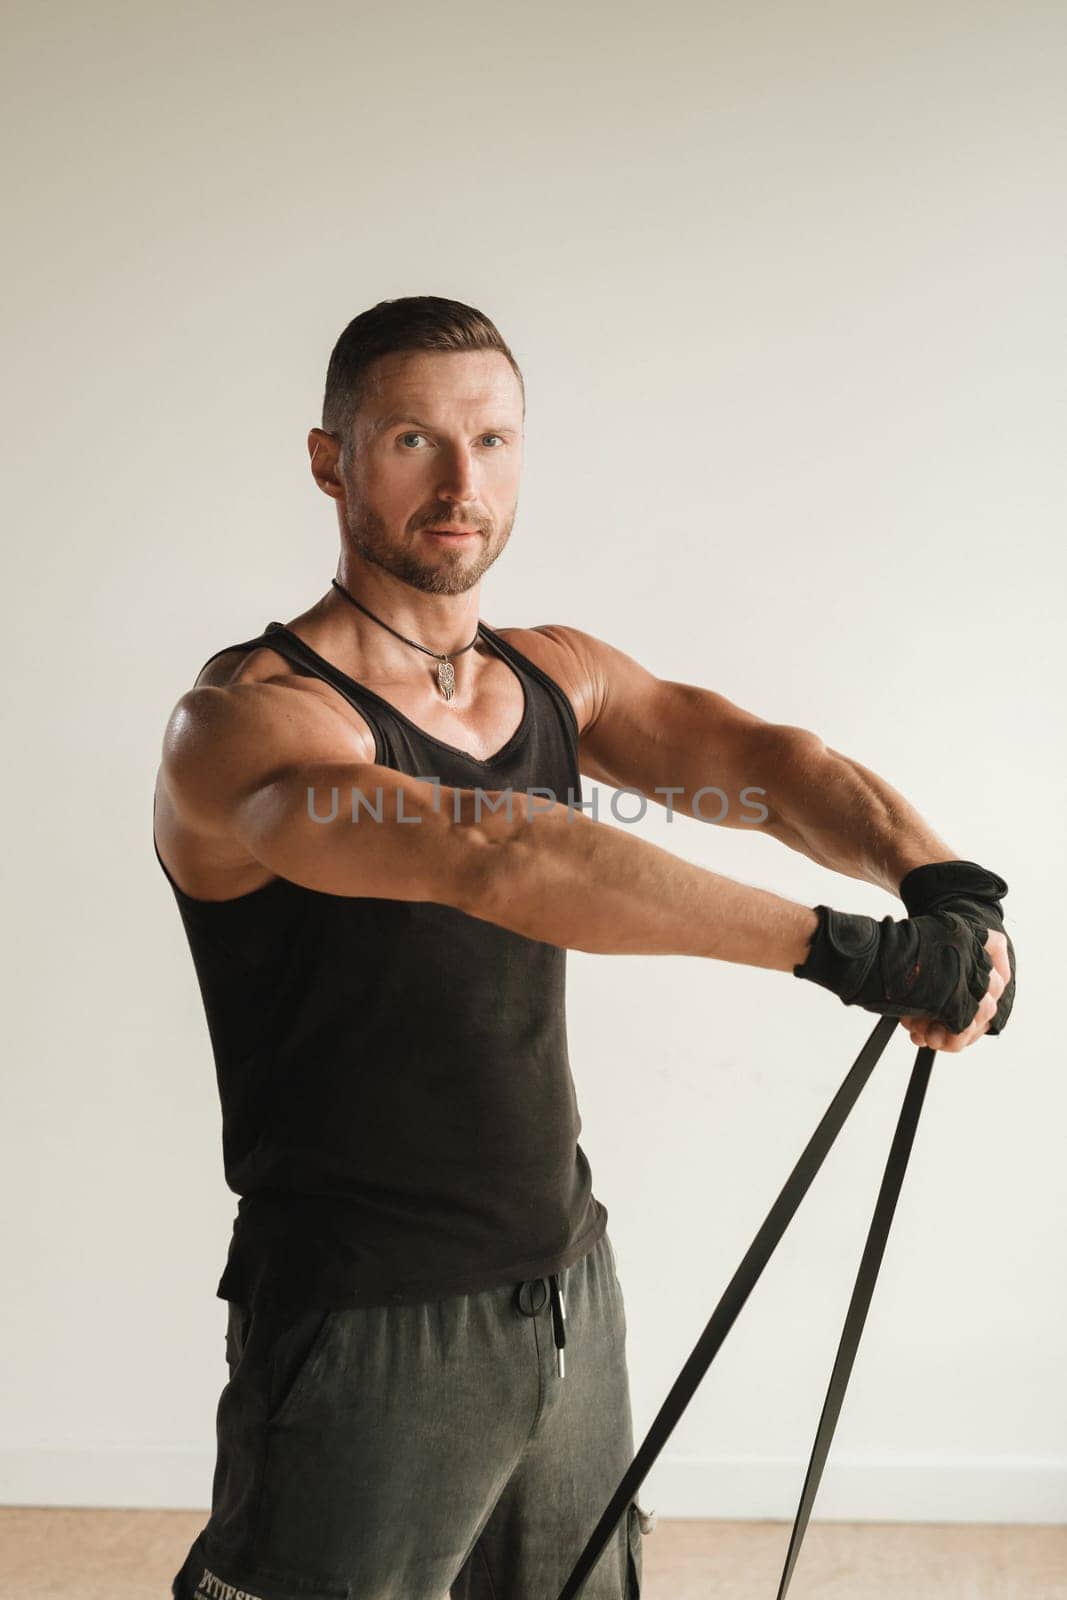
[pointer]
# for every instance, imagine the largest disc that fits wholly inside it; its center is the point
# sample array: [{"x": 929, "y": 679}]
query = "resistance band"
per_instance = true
[{"x": 744, "y": 1281}]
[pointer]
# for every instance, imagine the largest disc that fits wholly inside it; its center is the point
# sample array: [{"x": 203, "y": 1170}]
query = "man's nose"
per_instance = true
[{"x": 457, "y": 476}]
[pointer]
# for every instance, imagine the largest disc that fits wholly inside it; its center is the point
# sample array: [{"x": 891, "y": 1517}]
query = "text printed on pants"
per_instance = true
[{"x": 218, "y": 1589}]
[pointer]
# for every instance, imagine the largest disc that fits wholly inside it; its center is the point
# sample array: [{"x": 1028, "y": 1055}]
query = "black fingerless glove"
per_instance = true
[
  {"x": 931, "y": 965},
  {"x": 972, "y": 892}
]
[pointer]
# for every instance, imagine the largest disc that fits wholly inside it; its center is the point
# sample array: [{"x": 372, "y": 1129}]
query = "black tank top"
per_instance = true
[{"x": 399, "y": 1116}]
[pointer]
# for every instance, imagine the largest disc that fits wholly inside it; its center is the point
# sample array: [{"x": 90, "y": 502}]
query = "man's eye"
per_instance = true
[{"x": 405, "y": 436}]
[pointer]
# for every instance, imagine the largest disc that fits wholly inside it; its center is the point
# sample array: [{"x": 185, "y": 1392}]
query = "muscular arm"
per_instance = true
[
  {"x": 236, "y": 768},
  {"x": 846, "y": 817},
  {"x": 671, "y": 741}
]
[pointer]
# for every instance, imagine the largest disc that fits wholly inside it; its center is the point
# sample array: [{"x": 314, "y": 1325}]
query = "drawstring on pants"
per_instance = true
[
  {"x": 559, "y": 1315},
  {"x": 530, "y": 1299}
]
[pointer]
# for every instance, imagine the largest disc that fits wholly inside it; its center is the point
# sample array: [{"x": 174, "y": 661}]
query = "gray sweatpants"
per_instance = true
[{"x": 421, "y": 1452}]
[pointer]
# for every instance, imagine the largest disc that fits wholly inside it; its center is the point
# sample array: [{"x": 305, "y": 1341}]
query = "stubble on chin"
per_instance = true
[{"x": 451, "y": 574}]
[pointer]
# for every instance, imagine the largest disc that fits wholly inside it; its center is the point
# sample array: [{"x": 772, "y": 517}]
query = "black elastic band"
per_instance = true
[
  {"x": 866, "y": 1278},
  {"x": 744, "y": 1281}
]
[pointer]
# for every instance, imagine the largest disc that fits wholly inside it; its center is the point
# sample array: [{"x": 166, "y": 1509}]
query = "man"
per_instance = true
[{"x": 372, "y": 822}]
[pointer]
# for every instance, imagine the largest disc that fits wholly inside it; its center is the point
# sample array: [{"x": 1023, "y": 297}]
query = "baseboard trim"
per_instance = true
[{"x": 998, "y": 1489}]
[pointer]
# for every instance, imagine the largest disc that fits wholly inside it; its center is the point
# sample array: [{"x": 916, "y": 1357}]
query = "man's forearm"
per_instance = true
[
  {"x": 844, "y": 816},
  {"x": 834, "y": 810},
  {"x": 563, "y": 878},
  {"x": 508, "y": 856}
]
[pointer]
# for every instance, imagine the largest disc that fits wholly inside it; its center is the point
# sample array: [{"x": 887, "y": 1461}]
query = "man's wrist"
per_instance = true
[
  {"x": 926, "y": 887},
  {"x": 807, "y": 928},
  {"x": 914, "y": 863}
]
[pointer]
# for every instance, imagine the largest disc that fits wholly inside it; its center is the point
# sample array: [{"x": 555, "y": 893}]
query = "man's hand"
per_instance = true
[
  {"x": 935, "y": 968},
  {"x": 976, "y": 893},
  {"x": 925, "y": 1031}
]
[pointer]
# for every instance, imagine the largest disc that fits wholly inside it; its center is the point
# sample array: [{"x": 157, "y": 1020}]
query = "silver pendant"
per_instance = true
[{"x": 446, "y": 678}]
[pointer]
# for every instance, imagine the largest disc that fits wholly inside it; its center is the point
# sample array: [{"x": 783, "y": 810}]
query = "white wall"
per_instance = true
[{"x": 786, "y": 285}]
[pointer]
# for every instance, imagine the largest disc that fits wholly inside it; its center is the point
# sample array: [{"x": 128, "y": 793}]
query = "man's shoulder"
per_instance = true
[
  {"x": 251, "y": 703},
  {"x": 246, "y": 667},
  {"x": 243, "y": 663},
  {"x": 567, "y": 656},
  {"x": 249, "y": 713}
]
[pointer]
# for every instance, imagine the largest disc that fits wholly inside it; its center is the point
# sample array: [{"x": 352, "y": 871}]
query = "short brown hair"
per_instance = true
[{"x": 417, "y": 322}]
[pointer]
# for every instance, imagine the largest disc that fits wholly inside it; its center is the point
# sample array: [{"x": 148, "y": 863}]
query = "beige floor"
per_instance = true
[{"x": 132, "y": 1555}]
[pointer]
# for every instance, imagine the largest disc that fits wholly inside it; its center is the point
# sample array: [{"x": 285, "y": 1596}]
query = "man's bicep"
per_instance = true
[
  {"x": 357, "y": 829},
  {"x": 654, "y": 734}
]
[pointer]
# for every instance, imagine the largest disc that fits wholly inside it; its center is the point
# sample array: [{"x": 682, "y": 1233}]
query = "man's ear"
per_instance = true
[{"x": 324, "y": 450}]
